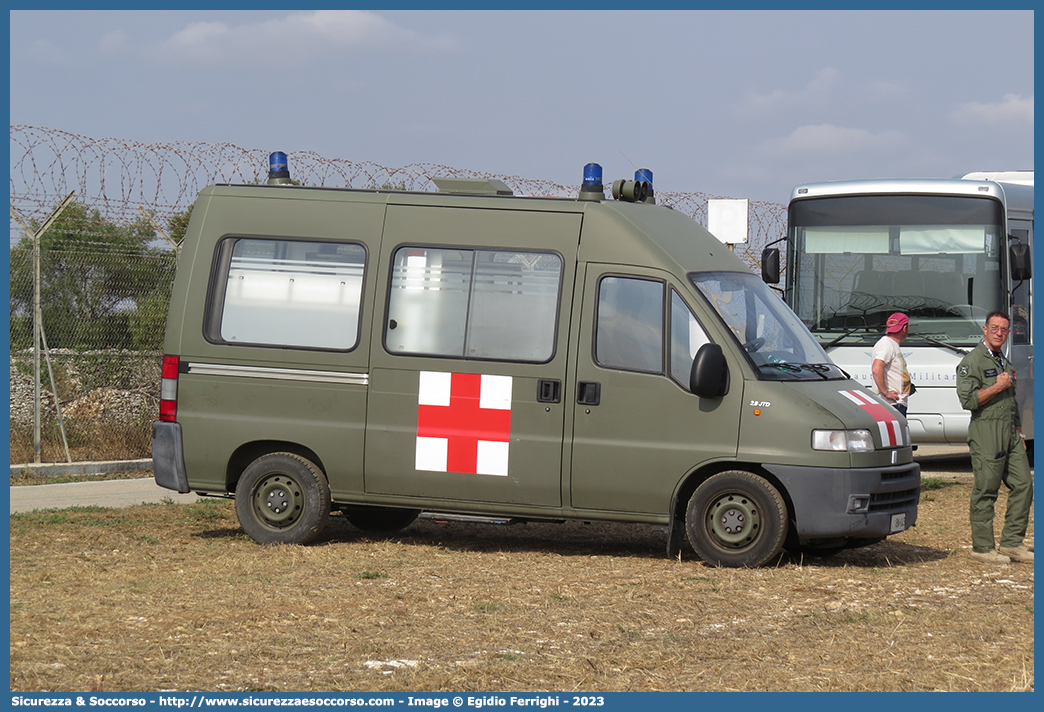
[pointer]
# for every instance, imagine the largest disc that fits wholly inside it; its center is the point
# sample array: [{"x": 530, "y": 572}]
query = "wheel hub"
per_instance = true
[
  {"x": 734, "y": 521},
  {"x": 278, "y": 501}
]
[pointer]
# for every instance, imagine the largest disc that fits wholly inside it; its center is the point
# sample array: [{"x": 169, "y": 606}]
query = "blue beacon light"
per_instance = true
[
  {"x": 646, "y": 175},
  {"x": 278, "y": 171},
  {"x": 592, "y": 188}
]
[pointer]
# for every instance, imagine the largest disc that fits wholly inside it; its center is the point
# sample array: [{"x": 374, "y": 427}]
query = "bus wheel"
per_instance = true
[
  {"x": 736, "y": 519},
  {"x": 282, "y": 498},
  {"x": 380, "y": 520}
]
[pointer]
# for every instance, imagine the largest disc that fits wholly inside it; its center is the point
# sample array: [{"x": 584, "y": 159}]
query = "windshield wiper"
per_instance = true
[
  {"x": 945, "y": 345},
  {"x": 843, "y": 336},
  {"x": 820, "y": 369},
  {"x": 782, "y": 366}
]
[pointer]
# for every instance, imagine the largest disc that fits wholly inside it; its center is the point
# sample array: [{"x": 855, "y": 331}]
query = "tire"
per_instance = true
[
  {"x": 736, "y": 519},
  {"x": 380, "y": 520},
  {"x": 282, "y": 498}
]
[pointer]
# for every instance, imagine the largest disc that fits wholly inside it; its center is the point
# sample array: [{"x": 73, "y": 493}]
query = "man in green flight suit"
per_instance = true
[{"x": 986, "y": 387}]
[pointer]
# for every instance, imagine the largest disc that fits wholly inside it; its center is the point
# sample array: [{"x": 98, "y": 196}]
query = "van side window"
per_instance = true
[
  {"x": 687, "y": 336},
  {"x": 480, "y": 304},
  {"x": 289, "y": 293},
  {"x": 630, "y": 324}
]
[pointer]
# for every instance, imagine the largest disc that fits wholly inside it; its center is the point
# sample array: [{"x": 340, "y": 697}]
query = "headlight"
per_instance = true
[{"x": 843, "y": 440}]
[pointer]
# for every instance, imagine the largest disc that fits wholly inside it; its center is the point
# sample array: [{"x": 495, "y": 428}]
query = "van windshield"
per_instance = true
[{"x": 776, "y": 342}]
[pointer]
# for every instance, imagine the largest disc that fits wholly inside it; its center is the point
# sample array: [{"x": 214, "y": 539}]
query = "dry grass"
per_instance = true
[
  {"x": 25, "y": 476},
  {"x": 176, "y": 597},
  {"x": 88, "y": 441}
]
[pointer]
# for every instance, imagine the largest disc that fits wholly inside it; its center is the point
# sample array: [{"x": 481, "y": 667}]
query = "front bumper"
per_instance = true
[
  {"x": 861, "y": 503},
  {"x": 168, "y": 457}
]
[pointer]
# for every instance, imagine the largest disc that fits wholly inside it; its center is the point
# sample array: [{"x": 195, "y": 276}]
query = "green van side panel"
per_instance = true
[
  {"x": 534, "y": 472},
  {"x": 535, "y": 455},
  {"x": 220, "y": 414},
  {"x": 647, "y": 433}
]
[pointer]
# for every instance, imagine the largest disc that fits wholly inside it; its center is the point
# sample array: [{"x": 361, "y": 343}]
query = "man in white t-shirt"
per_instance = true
[{"x": 891, "y": 377}]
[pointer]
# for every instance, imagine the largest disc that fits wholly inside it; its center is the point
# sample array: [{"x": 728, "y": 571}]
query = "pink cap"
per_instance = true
[{"x": 896, "y": 322}]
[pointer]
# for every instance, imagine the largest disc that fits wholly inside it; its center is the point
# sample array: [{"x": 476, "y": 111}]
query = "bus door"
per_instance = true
[{"x": 1022, "y": 330}]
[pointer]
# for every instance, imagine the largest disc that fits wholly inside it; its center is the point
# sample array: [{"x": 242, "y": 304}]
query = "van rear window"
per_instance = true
[
  {"x": 289, "y": 293},
  {"x": 481, "y": 304}
]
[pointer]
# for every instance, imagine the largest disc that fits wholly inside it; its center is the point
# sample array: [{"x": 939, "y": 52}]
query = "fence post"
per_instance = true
[
  {"x": 160, "y": 231},
  {"x": 38, "y": 338}
]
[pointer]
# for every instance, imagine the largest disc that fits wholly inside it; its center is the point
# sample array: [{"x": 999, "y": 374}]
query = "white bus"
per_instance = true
[{"x": 945, "y": 252}]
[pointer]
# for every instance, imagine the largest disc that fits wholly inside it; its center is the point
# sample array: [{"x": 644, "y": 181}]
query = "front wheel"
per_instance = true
[
  {"x": 282, "y": 498},
  {"x": 736, "y": 519}
]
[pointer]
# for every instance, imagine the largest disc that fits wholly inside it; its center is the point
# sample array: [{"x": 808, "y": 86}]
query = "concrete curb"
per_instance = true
[
  {"x": 56, "y": 469},
  {"x": 103, "y": 493}
]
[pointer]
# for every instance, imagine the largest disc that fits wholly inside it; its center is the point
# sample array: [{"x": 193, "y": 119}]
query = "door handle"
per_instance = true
[
  {"x": 589, "y": 393},
  {"x": 549, "y": 390}
]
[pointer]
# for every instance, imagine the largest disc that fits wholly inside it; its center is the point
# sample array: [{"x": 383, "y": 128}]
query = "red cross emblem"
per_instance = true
[
  {"x": 463, "y": 423},
  {"x": 887, "y": 423}
]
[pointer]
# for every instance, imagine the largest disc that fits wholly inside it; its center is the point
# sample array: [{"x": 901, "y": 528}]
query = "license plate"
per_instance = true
[{"x": 898, "y": 523}]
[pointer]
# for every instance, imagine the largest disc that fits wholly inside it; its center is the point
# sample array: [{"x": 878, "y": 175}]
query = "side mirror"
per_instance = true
[
  {"x": 770, "y": 265},
  {"x": 709, "y": 377},
  {"x": 1021, "y": 264}
]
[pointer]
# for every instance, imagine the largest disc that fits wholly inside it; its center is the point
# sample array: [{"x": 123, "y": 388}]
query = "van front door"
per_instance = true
[
  {"x": 637, "y": 429},
  {"x": 466, "y": 395}
]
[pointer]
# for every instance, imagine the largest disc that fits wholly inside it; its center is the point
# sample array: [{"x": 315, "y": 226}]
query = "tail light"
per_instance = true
[{"x": 169, "y": 388}]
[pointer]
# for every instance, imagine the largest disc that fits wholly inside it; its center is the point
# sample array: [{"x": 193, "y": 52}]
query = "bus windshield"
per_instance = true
[
  {"x": 857, "y": 259},
  {"x": 774, "y": 340}
]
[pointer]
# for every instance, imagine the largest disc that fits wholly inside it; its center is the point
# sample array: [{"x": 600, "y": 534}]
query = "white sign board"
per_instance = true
[{"x": 727, "y": 220}]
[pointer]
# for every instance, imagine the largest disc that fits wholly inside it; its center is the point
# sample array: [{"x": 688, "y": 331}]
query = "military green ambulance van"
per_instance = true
[{"x": 473, "y": 354}]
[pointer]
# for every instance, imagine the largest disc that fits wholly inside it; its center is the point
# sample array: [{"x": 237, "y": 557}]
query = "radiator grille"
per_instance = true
[{"x": 885, "y": 501}]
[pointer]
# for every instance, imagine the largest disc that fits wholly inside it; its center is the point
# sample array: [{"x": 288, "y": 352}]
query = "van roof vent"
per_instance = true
[{"x": 472, "y": 186}]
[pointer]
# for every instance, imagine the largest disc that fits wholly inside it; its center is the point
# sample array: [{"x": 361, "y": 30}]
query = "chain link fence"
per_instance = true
[{"x": 107, "y": 263}]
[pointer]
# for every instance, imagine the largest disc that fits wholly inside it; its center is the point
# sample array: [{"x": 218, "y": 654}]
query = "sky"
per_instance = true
[{"x": 742, "y": 104}]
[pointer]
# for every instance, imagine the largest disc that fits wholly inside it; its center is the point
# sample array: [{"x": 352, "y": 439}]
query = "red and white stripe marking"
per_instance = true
[{"x": 887, "y": 423}]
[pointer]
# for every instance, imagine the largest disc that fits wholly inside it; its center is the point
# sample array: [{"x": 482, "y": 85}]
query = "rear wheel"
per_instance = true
[
  {"x": 380, "y": 520},
  {"x": 736, "y": 519},
  {"x": 282, "y": 498}
]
